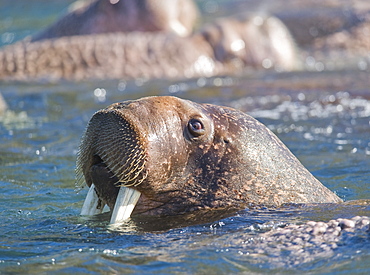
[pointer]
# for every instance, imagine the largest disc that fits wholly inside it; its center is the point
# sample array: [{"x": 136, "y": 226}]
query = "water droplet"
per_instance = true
[
  {"x": 301, "y": 96},
  {"x": 362, "y": 65},
  {"x": 201, "y": 82},
  {"x": 217, "y": 82},
  {"x": 319, "y": 66},
  {"x": 266, "y": 63},
  {"x": 100, "y": 94},
  {"x": 122, "y": 86},
  {"x": 331, "y": 98},
  {"x": 340, "y": 108}
]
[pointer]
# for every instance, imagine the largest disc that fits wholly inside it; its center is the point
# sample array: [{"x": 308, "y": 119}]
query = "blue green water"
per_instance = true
[{"x": 323, "y": 119}]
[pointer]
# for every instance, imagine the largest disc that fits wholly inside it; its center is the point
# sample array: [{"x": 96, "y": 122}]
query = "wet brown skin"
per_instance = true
[{"x": 188, "y": 156}]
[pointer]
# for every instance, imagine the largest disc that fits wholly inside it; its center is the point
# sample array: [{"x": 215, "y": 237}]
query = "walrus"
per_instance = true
[
  {"x": 103, "y": 16},
  {"x": 174, "y": 156},
  {"x": 227, "y": 46}
]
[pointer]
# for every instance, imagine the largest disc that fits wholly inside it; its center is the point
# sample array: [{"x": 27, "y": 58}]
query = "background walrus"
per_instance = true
[
  {"x": 228, "y": 46},
  {"x": 182, "y": 156},
  {"x": 102, "y": 16}
]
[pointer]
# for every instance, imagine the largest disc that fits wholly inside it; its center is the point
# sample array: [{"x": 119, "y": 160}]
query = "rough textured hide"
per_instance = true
[
  {"x": 105, "y": 56},
  {"x": 225, "y": 47},
  {"x": 232, "y": 160}
]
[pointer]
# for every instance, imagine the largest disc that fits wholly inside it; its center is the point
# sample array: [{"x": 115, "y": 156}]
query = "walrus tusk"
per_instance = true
[
  {"x": 90, "y": 206},
  {"x": 125, "y": 204}
]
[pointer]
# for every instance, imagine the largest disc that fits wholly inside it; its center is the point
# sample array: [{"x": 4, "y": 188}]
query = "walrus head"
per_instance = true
[
  {"x": 178, "y": 156},
  {"x": 257, "y": 41}
]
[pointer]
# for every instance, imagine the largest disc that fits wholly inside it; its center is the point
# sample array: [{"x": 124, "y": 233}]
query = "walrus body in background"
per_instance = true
[
  {"x": 327, "y": 36},
  {"x": 225, "y": 47}
]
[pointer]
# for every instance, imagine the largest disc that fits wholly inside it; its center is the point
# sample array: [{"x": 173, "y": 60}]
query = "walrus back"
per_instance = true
[
  {"x": 278, "y": 176},
  {"x": 105, "y": 56}
]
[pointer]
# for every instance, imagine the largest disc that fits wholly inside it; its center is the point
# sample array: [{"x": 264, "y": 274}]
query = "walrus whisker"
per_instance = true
[
  {"x": 134, "y": 169},
  {"x": 128, "y": 176},
  {"x": 80, "y": 178},
  {"x": 125, "y": 180},
  {"x": 139, "y": 181},
  {"x": 129, "y": 169},
  {"x": 127, "y": 184}
]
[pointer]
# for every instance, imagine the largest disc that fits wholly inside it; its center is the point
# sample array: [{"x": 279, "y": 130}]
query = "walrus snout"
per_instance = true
[
  {"x": 112, "y": 155},
  {"x": 113, "y": 140}
]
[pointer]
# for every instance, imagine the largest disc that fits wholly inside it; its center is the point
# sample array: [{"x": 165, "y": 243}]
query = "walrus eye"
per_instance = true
[{"x": 196, "y": 127}]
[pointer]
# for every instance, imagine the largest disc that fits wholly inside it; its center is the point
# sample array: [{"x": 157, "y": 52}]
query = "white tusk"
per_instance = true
[
  {"x": 125, "y": 204},
  {"x": 90, "y": 206}
]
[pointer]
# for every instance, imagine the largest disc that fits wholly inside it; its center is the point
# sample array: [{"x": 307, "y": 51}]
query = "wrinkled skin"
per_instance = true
[
  {"x": 189, "y": 156},
  {"x": 209, "y": 52},
  {"x": 103, "y": 16}
]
